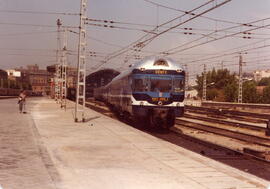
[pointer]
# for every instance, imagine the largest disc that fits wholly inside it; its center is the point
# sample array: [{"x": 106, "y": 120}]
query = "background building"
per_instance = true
[
  {"x": 3, "y": 74},
  {"x": 37, "y": 78},
  {"x": 71, "y": 78},
  {"x": 258, "y": 75},
  {"x": 13, "y": 74}
]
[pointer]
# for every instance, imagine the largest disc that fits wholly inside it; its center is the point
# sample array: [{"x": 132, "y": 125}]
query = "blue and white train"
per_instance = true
[{"x": 150, "y": 91}]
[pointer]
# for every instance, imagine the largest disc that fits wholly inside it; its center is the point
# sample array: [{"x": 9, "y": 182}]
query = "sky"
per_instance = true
[{"x": 28, "y": 33}]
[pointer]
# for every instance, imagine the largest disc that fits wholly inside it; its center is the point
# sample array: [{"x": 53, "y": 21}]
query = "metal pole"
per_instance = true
[
  {"x": 240, "y": 88},
  {"x": 57, "y": 66},
  {"x": 186, "y": 78},
  {"x": 204, "y": 83},
  {"x": 81, "y": 68},
  {"x": 64, "y": 71}
]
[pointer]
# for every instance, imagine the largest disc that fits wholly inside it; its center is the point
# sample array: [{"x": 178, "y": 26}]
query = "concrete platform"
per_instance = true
[{"x": 105, "y": 153}]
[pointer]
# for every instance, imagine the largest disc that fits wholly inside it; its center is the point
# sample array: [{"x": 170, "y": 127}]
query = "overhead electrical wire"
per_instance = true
[
  {"x": 20, "y": 24},
  {"x": 39, "y": 12},
  {"x": 206, "y": 17},
  {"x": 234, "y": 27},
  {"x": 258, "y": 60},
  {"x": 192, "y": 18},
  {"x": 243, "y": 36},
  {"x": 225, "y": 52},
  {"x": 186, "y": 29},
  {"x": 242, "y": 46},
  {"x": 127, "y": 48},
  {"x": 27, "y": 33},
  {"x": 232, "y": 49},
  {"x": 138, "y": 42},
  {"x": 106, "y": 43},
  {"x": 228, "y": 54},
  {"x": 225, "y": 36},
  {"x": 247, "y": 25},
  {"x": 15, "y": 54},
  {"x": 34, "y": 25},
  {"x": 19, "y": 49}
]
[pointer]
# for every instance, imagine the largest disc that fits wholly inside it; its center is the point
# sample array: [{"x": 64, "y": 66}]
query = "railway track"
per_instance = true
[
  {"x": 244, "y": 151},
  {"x": 229, "y": 116},
  {"x": 228, "y": 131},
  {"x": 256, "y": 145},
  {"x": 256, "y": 127},
  {"x": 227, "y": 112},
  {"x": 249, "y": 138},
  {"x": 260, "y": 108}
]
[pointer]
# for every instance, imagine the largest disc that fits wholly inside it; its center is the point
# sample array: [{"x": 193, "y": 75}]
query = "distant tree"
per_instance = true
[
  {"x": 212, "y": 94},
  {"x": 224, "y": 78},
  {"x": 223, "y": 86},
  {"x": 216, "y": 82},
  {"x": 266, "y": 95},
  {"x": 230, "y": 92},
  {"x": 245, "y": 74},
  {"x": 199, "y": 86},
  {"x": 250, "y": 94},
  {"x": 264, "y": 81}
]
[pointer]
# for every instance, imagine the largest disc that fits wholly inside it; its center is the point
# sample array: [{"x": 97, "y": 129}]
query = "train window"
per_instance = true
[
  {"x": 179, "y": 85},
  {"x": 139, "y": 85},
  {"x": 161, "y": 84},
  {"x": 130, "y": 80}
]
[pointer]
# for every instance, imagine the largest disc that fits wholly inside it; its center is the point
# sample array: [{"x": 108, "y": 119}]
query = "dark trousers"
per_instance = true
[{"x": 21, "y": 105}]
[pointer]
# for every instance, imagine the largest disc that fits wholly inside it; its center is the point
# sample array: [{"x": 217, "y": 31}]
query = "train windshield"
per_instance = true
[
  {"x": 140, "y": 85},
  {"x": 178, "y": 85},
  {"x": 161, "y": 84}
]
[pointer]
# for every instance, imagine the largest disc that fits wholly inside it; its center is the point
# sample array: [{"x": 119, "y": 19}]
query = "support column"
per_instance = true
[
  {"x": 64, "y": 71},
  {"x": 57, "y": 78},
  {"x": 204, "y": 83},
  {"x": 240, "y": 82},
  {"x": 81, "y": 67}
]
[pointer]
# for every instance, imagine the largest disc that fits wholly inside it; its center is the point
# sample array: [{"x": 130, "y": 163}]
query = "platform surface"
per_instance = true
[{"x": 50, "y": 150}]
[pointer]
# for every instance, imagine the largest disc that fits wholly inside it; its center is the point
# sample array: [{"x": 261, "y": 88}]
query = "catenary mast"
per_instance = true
[{"x": 81, "y": 67}]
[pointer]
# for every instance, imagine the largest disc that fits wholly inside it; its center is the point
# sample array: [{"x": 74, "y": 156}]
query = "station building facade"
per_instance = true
[{"x": 36, "y": 77}]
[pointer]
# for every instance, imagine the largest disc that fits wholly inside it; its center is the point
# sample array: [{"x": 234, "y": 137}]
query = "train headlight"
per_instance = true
[
  {"x": 141, "y": 103},
  {"x": 179, "y": 70},
  {"x": 160, "y": 103},
  {"x": 142, "y": 69},
  {"x": 177, "y": 104}
]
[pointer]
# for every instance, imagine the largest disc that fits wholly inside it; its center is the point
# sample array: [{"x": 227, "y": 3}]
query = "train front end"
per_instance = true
[{"x": 158, "y": 92}]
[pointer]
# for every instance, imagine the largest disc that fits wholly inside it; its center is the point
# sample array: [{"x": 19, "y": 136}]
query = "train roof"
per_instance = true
[
  {"x": 150, "y": 63},
  {"x": 163, "y": 63}
]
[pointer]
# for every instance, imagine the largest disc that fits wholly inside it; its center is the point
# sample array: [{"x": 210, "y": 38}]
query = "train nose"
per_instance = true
[
  {"x": 163, "y": 114},
  {"x": 160, "y": 113}
]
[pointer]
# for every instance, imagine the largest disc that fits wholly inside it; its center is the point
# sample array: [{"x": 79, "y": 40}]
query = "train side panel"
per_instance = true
[{"x": 119, "y": 94}]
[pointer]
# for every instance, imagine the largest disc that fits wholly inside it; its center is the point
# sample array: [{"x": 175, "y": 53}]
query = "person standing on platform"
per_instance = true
[{"x": 21, "y": 102}]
